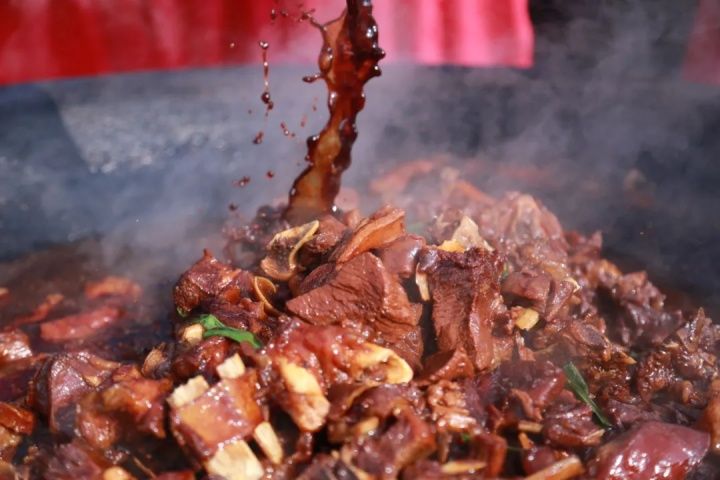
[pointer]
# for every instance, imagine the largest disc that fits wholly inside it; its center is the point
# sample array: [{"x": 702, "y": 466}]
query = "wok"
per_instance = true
[{"x": 134, "y": 173}]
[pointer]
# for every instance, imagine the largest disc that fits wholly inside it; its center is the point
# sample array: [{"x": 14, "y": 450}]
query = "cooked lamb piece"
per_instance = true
[
  {"x": 215, "y": 416},
  {"x": 243, "y": 313},
  {"x": 307, "y": 361},
  {"x": 531, "y": 237},
  {"x": 710, "y": 421},
  {"x": 364, "y": 409},
  {"x": 652, "y": 450},
  {"x": 641, "y": 320},
  {"x": 537, "y": 458},
  {"x": 203, "y": 281},
  {"x": 61, "y": 381},
  {"x": 571, "y": 425},
  {"x": 538, "y": 382},
  {"x": 141, "y": 399},
  {"x": 363, "y": 294},
  {"x": 315, "y": 279},
  {"x": 446, "y": 365},
  {"x": 199, "y": 359},
  {"x": 97, "y": 427},
  {"x": 406, "y": 441},
  {"x": 400, "y": 256},
  {"x": 517, "y": 219},
  {"x": 327, "y": 467},
  {"x": 329, "y": 234},
  {"x": 686, "y": 363},
  {"x": 75, "y": 460},
  {"x": 465, "y": 292}
]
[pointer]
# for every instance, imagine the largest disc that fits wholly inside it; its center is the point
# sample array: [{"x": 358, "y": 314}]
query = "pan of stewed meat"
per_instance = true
[{"x": 451, "y": 335}]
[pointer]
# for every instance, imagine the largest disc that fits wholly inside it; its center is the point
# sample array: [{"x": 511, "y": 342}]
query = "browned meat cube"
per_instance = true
[
  {"x": 408, "y": 440},
  {"x": 225, "y": 412},
  {"x": 465, "y": 291},
  {"x": 204, "y": 280},
  {"x": 98, "y": 428},
  {"x": 651, "y": 451},
  {"x": 364, "y": 294},
  {"x": 400, "y": 256},
  {"x": 327, "y": 467},
  {"x": 75, "y": 461},
  {"x": 200, "y": 359},
  {"x": 309, "y": 360},
  {"x": 143, "y": 399},
  {"x": 62, "y": 381}
]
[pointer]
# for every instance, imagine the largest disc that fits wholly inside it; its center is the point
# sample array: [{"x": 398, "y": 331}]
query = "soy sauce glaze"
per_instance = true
[{"x": 348, "y": 60}]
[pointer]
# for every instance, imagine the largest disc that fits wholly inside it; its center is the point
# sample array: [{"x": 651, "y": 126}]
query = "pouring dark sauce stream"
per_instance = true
[{"x": 348, "y": 60}]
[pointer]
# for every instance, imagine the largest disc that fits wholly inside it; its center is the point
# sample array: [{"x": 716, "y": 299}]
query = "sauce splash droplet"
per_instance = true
[
  {"x": 242, "y": 182},
  {"x": 265, "y": 97}
]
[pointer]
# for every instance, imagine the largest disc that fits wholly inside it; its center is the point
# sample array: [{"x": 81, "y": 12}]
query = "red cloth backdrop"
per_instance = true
[
  {"x": 703, "y": 57},
  {"x": 42, "y": 39}
]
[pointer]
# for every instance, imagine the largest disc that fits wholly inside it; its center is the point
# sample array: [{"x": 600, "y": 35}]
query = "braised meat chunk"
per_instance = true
[
  {"x": 362, "y": 294},
  {"x": 465, "y": 291},
  {"x": 652, "y": 450}
]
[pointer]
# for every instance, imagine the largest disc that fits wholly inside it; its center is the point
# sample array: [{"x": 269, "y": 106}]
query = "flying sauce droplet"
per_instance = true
[
  {"x": 242, "y": 182},
  {"x": 265, "y": 97}
]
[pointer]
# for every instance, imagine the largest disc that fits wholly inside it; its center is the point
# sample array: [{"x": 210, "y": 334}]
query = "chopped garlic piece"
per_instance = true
[
  {"x": 232, "y": 367},
  {"x": 458, "y": 467},
  {"x": 192, "y": 334},
  {"x": 269, "y": 442},
  {"x": 188, "y": 392},
  {"x": 235, "y": 461},
  {"x": 527, "y": 319}
]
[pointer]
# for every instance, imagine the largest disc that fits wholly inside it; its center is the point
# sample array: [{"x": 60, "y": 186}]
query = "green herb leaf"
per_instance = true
[
  {"x": 209, "y": 322},
  {"x": 234, "y": 334},
  {"x": 465, "y": 437},
  {"x": 579, "y": 387},
  {"x": 215, "y": 328},
  {"x": 181, "y": 312}
]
